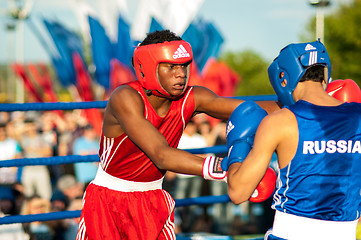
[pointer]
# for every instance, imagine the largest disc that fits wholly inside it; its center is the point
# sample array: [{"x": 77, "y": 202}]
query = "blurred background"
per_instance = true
[{"x": 80, "y": 50}]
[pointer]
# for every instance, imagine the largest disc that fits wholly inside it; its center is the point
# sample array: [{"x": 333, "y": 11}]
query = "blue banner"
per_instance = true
[
  {"x": 205, "y": 40},
  {"x": 66, "y": 43}
]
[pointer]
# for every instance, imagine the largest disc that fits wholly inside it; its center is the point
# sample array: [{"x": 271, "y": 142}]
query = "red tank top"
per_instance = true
[{"x": 121, "y": 158}]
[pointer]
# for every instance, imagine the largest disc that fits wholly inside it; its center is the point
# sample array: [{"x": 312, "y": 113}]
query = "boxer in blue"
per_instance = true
[{"x": 317, "y": 139}]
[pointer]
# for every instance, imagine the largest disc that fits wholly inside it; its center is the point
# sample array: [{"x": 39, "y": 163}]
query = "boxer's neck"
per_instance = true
[{"x": 160, "y": 105}]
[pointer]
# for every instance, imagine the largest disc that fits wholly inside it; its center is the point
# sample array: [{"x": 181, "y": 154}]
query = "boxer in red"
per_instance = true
[{"x": 143, "y": 123}]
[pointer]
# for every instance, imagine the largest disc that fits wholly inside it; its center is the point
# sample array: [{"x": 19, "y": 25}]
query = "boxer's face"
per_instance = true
[{"x": 173, "y": 77}]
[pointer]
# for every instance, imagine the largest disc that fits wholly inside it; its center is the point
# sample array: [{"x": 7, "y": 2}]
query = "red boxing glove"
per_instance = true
[
  {"x": 344, "y": 90},
  {"x": 266, "y": 187}
]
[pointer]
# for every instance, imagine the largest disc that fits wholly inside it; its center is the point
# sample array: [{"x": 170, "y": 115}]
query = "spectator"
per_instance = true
[
  {"x": 20, "y": 198},
  {"x": 13, "y": 231},
  {"x": 86, "y": 144},
  {"x": 59, "y": 202},
  {"x": 15, "y": 127},
  {"x": 68, "y": 185},
  {"x": 50, "y": 134},
  {"x": 9, "y": 149},
  {"x": 73, "y": 223},
  {"x": 207, "y": 131},
  {"x": 38, "y": 230},
  {"x": 4, "y": 116},
  {"x": 35, "y": 179},
  {"x": 71, "y": 128},
  {"x": 48, "y": 130}
]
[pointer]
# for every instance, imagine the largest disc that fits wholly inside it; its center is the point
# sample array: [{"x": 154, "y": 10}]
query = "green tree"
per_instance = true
[
  {"x": 252, "y": 69},
  {"x": 343, "y": 40}
]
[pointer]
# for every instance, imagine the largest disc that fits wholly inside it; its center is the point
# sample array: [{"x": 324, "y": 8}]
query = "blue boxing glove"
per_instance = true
[{"x": 241, "y": 129}]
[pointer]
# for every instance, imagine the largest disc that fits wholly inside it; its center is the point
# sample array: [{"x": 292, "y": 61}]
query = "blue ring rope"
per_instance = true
[
  {"x": 48, "y": 160},
  {"x": 48, "y": 106},
  {"x": 204, "y": 200},
  {"x": 56, "y": 160},
  {"x": 11, "y": 107}
]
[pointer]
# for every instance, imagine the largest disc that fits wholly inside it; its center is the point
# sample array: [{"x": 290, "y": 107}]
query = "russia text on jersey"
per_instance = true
[{"x": 331, "y": 146}]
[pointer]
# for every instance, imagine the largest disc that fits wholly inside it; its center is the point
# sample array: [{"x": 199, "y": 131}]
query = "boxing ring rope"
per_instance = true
[
  {"x": 12, "y": 107},
  {"x": 55, "y": 160},
  {"x": 204, "y": 200}
]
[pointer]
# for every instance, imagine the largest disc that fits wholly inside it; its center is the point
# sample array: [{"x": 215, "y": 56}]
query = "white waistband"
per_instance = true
[
  {"x": 294, "y": 227},
  {"x": 105, "y": 180}
]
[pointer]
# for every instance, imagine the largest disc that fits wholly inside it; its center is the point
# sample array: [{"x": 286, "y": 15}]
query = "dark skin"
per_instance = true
[{"x": 125, "y": 114}]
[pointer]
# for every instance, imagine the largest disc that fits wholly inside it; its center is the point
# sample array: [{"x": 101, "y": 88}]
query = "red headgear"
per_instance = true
[{"x": 147, "y": 58}]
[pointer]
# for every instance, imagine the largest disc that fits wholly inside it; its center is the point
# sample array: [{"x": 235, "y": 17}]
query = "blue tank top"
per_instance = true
[{"x": 323, "y": 180}]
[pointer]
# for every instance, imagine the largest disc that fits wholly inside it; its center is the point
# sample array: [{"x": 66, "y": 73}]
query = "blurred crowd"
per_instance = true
[
  {"x": 60, "y": 187},
  {"x": 44, "y": 188}
]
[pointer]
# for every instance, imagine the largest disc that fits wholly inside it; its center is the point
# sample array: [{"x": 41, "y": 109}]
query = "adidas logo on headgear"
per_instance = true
[
  {"x": 309, "y": 47},
  {"x": 181, "y": 52}
]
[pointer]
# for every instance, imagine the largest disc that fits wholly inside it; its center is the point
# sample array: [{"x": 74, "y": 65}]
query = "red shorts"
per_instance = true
[{"x": 111, "y": 214}]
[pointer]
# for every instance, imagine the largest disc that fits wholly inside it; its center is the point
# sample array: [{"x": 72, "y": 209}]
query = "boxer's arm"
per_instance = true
[
  {"x": 127, "y": 108},
  {"x": 243, "y": 178},
  {"x": 241, "y": 128},
  {"x": 213, "y": 105},
  {"x": 210, "y": 103}
]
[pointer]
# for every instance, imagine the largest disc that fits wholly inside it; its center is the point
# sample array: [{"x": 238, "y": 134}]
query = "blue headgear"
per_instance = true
[{"x": 293, "y": 61}]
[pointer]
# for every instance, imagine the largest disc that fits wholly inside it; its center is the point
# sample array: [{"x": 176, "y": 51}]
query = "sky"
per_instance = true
[{"x": 264, "y": 26}]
